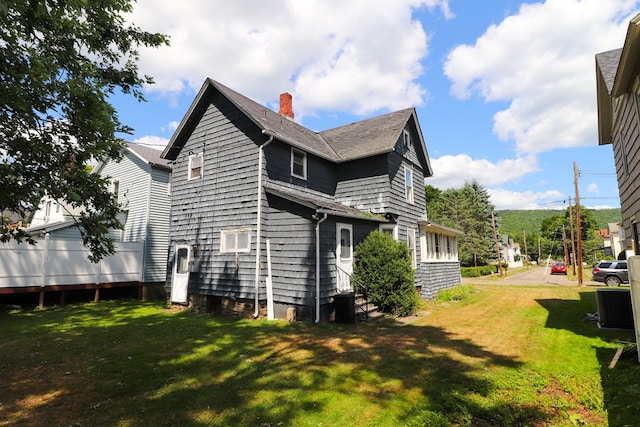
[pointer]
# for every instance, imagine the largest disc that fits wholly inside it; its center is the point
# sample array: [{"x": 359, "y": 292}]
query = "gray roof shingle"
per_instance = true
[
  {"x": 608, "y": 64},
  {"x": 149, "y": 155}
]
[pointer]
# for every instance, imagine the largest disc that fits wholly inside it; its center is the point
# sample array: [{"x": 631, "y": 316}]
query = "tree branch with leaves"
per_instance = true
[{"x": 61, "y": 61}]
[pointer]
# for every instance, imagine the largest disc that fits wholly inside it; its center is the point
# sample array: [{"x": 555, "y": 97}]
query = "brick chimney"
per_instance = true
[{"x": 286, "y": 107}]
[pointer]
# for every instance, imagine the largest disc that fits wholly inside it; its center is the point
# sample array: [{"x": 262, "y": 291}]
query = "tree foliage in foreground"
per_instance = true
[
  {"x": 467, "y": 209},
  {"x": 61, "y": 60},
  {"x": 384, "y": 267}
]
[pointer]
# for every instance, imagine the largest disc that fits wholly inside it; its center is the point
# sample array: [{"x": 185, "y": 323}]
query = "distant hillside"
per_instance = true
[{"x": 514, "y": 222}]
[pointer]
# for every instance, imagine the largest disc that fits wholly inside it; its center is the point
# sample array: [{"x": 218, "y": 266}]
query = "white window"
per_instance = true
[
  {"x": 411, "y": 242},
  {"x": 406, "y": 139},
  {"x": 115, "y": 188},
  {"x": 195, "y": 166},
  {"x": 408, "y": 184},
  {"x": 235, "y": 240},
  {"x": 298, "y": 163},
  {"x": 390, "y": 229}
]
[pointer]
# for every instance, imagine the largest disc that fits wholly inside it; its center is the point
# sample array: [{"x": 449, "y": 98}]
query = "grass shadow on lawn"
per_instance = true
[
  {"x": 136, "y": 364},
  {"x": 620, "y": 385}
]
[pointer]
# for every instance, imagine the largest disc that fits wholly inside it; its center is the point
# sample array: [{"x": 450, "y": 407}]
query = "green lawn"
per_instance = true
[{"x": 505, "y": 355}]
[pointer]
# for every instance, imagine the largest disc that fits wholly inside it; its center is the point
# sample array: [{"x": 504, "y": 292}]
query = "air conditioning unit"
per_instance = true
[{"x": 614, "y": 308}]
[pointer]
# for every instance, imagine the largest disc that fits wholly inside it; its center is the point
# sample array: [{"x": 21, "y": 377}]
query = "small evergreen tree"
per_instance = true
[{"x": 384, "y": 267}]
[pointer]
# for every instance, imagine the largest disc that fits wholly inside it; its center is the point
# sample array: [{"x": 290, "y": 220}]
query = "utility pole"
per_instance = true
[
  {"x": 539, "y": 250},
  {"x": 564, "y": 244},
  {"x": 495, "y": 236},
  {"x": 526, "y": 254},
  {"x": 573, "y": 238},
  {"x": 578, "y": 228}
]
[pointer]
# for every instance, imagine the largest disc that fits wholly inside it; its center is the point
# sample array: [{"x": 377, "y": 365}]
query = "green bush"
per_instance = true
[
  {"x": 384, "y": 267},
  {"x": 483, "y": 270}
]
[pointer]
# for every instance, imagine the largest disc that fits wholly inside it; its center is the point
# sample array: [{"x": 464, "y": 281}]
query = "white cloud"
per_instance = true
[
  {"x": 452, "y": 171},
  {"x": 593, "y": 188},
  {"x": 541, "y": 61},
  {"x": 353, "y": 57},
  {"x": 505, "y": 199},
  {"x": 152, "y": 141},
  {"x": 171, "y": 126}
]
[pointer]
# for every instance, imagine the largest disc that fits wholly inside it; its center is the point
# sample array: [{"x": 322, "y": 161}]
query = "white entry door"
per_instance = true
[
  {"x": 344, "y": 256},
  {"x": 180, "y": 282}
]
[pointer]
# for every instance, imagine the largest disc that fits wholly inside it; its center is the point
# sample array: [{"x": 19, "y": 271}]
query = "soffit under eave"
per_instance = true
[
  {"x": 605, "y": 112},
  {"x": 629, "y": 59},
  {"x": 188, "y": 122},
  {"x": 428, "y": 171}
]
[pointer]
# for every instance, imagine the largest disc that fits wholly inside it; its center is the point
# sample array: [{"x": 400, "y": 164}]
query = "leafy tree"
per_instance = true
[
  {"x": 61, "y": 60},
  {"x": 551, "y": 233},
  {"x": 467, "y": 209},
  {"x": 384, "y": 266}
]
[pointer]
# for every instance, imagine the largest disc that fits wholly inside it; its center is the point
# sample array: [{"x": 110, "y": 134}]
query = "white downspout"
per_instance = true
[
  {"x": 259, "y": 225},
  {"x": 320, "y": 221}
]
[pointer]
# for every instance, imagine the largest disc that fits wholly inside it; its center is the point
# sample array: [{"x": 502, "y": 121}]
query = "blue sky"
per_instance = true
[{"x": 504, "y": 89}]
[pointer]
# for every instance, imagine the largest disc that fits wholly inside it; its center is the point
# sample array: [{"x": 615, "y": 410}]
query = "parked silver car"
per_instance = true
[{"x": 613, "y": 273}]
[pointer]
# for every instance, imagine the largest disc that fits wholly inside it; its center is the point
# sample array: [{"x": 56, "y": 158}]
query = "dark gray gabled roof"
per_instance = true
[
  {"x": 277, "y": 125},
  {"x": 357, "y": 140},
  {"x": 368, "y": 137},
  {"x": 271, "y": 123}
]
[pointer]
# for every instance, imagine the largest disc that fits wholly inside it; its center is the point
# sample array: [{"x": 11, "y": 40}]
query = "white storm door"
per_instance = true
[
  {"x": 180, "y": 282},
  {"x": 344, "y": 256}
]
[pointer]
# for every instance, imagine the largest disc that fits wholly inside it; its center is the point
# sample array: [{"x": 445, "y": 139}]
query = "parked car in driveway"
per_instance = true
[
  {"x": 558, "y": 268},
  {"x": 613, "y": 273}
]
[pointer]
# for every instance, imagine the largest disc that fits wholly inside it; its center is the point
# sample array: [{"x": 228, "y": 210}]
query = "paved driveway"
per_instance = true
[{"x": 535, "y": 276}]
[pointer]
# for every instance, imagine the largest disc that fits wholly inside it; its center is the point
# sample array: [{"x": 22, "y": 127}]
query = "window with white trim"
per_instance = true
[
  {"x": 115, "y": 189},
  {"x": 408, "y": 185},
  {"x": 411, "y": 242},
  {"x": 298, "y": 163},
  {"x": 196, "y": 162},
  {"x": 390, "y": 229},
  {"x": 235, "y": 240}
]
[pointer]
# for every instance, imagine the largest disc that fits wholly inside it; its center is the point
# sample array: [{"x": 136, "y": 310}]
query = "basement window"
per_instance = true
[{"x": 235, "y": 240}]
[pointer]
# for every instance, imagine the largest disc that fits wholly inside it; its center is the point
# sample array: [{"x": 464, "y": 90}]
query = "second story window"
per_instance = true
[
  {"x": 195, "y": 166},
  {"x": 115, "y": 188},
  {"x": 408, "y": 184},
  {"x": 406, "y": 140},
  {"x": 298, "y": 163}
]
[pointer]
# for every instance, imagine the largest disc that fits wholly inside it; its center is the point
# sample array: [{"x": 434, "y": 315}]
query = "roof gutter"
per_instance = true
[{"x": 259, "y": 226}]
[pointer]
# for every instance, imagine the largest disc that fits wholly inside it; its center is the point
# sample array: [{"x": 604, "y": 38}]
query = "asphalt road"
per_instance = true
[{"x": 535, "y": 276}]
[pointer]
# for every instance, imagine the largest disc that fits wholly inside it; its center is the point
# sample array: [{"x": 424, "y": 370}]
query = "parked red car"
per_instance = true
[{"x": 558, "y": 268}]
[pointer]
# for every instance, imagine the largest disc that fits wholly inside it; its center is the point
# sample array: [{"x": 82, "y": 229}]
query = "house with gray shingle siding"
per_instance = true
[
  {"x": 266, "y": 214},
  {"x": 618, "y": 100}
]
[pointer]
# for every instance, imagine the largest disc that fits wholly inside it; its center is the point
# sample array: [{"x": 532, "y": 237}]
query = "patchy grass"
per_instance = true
[
  {"x": 501, "y": 356},
  {"x": 458, "y": 293}
]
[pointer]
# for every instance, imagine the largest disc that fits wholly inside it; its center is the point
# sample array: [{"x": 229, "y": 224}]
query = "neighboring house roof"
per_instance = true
[
  {"x": 49, "y": 227},
  {"x": 150, "y": 156},
  {"x": 320, "y": 204},
  {"x": 356, "y": 140}
]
